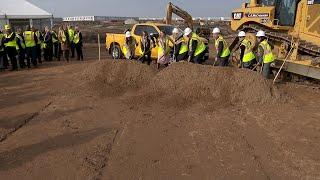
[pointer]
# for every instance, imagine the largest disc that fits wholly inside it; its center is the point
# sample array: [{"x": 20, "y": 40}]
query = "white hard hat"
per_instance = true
[
  {"x": 187, "y": 31},
  {"x": 175, "y": 31},
  {"x": 216, "y": 31},
  {"x": 242, "y": 34},
  {"x": 261, "y": 34},
  {"x": 128, "y": 34}
]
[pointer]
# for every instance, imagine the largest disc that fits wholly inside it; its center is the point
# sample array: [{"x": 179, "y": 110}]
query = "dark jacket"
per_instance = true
[
  {"x": 193, "y": 48},
  {"x": 47, "y": 38},
  {"x": 220, "y": 49},
  {"x": 146, "y": 44},
  {"x": 177, "y": 46}
]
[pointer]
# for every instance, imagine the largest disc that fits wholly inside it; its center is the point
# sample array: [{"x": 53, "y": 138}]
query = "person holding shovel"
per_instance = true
[
  {"x": 146, "y": 45},
  {"x": 163, "y": 49}
]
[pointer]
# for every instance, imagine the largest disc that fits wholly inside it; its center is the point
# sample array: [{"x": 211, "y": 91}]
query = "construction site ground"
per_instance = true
[{"x": 121, "y": 120}]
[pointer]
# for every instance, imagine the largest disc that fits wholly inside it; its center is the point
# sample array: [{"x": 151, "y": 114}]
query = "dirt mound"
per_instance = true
[
  {"x": 112, "y": 78},
  {"x": 180, "y": 84},
  {"x": 184, "y": 83}
]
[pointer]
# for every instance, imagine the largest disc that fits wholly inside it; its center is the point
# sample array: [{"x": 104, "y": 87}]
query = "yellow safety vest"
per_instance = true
[
  {"x": 248, "y": 54},
  {"x": 163, "y": 48},
  {"x": 12, "y": 43},
  {"x": 21, "y": 41},
  {"x": 38, "y": 36},
  {"x": 200, "y": 46},
  {"x": 268, "y": 56},
  {"x": 1, "y": 38},
  {"x": 29, "y": 38},
  {"x": 76, "y": 38},
  {"x": 184, "y": 47},
  {"x": 71, "y": 34},
  {"x": 226, "y": 51},
  {"x": 54, "y": 38}
]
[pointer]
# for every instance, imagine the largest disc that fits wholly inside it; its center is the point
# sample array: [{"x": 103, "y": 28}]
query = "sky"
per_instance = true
[{"x": 139, "y": 8}]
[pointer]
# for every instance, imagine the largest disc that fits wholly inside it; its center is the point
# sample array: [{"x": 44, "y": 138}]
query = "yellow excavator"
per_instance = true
[
  {"x": 173, "y": 9},
  {"x": 292, "y": 25}
]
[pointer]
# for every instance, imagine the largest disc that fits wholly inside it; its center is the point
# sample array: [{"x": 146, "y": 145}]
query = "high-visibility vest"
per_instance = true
[
  {"x": 38, "y": 36},
  {"x": 225, "y": 51},
  {"x": 12, "y": 43},
  {"x": 54, "y": 37},
  {"x": 163, "y": 48},
  {"x": 76, "y": 38},
  {"x": 184, "y": 47},
  {"x": 29, "y": 38},
  {"x": 268, "y": 56},
  {"x": 1, "y": 38},
  {"x": 71, "y": 34},
  {"x": 21, "y": 41},
  {"x": 201, "y": 47},
  {"x": 248, "y": 54}
]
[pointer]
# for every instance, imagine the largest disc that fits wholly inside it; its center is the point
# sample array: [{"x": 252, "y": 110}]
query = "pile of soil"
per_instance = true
[
  {"x": 184, "y": 83},
  {"x": 113, "y": 78},
  {"x": 181, "y": 83}
]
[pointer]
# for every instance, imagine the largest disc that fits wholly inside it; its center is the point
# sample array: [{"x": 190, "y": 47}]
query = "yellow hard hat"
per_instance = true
[{"x": 7, "y": 27}]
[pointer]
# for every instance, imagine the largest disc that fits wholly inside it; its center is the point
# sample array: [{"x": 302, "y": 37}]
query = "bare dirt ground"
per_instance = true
[{"x": 126, "y": 120}]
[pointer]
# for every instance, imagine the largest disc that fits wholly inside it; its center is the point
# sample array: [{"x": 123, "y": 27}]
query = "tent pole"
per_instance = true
[{"x": 31, "y": 22}]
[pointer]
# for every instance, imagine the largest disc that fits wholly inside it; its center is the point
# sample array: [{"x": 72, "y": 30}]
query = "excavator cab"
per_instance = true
[{"x": 285, "y": 10}]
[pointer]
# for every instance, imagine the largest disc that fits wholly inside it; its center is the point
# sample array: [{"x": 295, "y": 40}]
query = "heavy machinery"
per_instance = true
[
  {"x": 172, "y": 9},
  {"x": 293, "y": 26},
  {"x": 202, "y": 30}
]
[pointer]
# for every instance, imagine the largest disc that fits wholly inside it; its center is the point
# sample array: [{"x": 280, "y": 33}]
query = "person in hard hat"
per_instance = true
[
  {"x": 38, "y": 45},
  {"x": 2, "y": 53},
  {"x": 223, "y": 52},
  {"x": 63, "y": 38},
  {"x": 31, "y": 40},
  {"x": 71, "y": 32},
  {"x": 77, "y": 40},
  {"x": 197, "y": 48},
  {"x": 21, "y": 48},
  {"x": 265, "y": 55},
  {"x": 180, "y": 46},
  {"x": 247, "y": 57},
  {"x": 163, "y": 49},
  {"x": 129, "y": 46},
  {"x": 47, "y": 44},
  {"x": 55, "y": 43},
  {"x": 146, "y": 44},
  {"x": 10, "y": 43}
]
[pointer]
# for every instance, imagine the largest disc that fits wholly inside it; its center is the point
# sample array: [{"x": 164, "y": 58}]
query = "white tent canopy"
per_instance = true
[{"x": 21, "y": 9}]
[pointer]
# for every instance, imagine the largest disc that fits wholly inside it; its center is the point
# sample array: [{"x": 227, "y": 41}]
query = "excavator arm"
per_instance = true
[{"x": 179, "y": 12}]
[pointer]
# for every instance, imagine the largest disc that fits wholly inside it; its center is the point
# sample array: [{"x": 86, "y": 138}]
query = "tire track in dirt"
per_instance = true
[{"x": 24, "y": 122}]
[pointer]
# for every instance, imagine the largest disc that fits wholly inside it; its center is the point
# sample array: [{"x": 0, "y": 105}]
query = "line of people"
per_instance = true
[
  {"x": 188, "y": 46},
  {"x": 24, "y": 48}
]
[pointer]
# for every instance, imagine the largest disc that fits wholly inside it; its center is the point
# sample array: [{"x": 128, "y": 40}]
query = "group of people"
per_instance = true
[
  {"x": 188, "y": 46},
  {"x": 23, "y": 48}
]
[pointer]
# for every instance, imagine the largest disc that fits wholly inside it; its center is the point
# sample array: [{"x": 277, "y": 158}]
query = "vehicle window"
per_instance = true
[
  {"x": 151, "y": 30},
  {"x": 167, "y": 29},
  {"x": 316, "y": 2},
  {"x": 138, "y": 31},
  {"x": 266, "y": 2},
  {"x": 140, "y": 28}
]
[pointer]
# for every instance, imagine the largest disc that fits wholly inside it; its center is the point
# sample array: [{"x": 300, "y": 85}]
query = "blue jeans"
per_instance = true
[{"x": 31, "y": 54}]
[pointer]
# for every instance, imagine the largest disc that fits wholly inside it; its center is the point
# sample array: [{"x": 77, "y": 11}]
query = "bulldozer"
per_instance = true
[{"x": 293, "y": 26}]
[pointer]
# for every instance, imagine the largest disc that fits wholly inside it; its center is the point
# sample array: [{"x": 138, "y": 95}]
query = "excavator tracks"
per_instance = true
[{"x": 305, "y": 48}]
